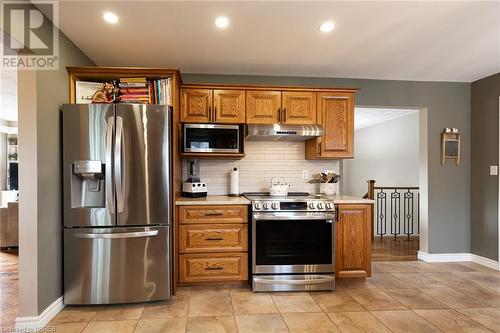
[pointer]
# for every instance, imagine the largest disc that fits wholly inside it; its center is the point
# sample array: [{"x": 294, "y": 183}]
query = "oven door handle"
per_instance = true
[
  {"x": 329, "y": 218},
  {"x": 300, "y": 282}
]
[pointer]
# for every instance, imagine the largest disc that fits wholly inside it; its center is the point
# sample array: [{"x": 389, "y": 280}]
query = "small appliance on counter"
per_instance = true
[{"x": 193, "y": 187}]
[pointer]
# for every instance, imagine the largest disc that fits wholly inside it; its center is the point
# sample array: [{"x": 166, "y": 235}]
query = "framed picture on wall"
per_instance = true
[{"x": 450, "y": 145}]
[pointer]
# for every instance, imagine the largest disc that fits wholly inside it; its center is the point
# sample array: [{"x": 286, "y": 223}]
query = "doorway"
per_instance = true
[
  {"x": 386, "y": 168},
  {"x": 9, "y": 226}
]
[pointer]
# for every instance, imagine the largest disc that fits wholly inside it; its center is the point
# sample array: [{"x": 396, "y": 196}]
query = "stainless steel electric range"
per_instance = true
[{"x": 292, "y": 242}]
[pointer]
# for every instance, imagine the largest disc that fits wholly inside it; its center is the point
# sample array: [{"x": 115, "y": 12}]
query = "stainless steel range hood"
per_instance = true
[{"x": 275, "y": 132}]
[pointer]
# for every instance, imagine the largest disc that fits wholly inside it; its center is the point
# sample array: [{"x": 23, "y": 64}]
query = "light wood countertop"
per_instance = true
[{"x": 241, "y": 200}]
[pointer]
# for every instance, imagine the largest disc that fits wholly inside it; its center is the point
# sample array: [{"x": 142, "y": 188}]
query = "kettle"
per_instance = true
[{"x": 278, "y": 187}]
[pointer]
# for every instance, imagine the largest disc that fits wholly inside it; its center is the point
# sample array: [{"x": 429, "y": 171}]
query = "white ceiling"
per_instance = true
[
  {"x": 366, "y": 117},
  {"x": 426, "y": 40}
]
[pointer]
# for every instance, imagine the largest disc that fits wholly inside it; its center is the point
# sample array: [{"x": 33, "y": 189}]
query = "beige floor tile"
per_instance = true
[
  {"x": 309, "y": 323},
  {"x": 454, "y": 299},
  {"x": 72, "y": 314},
  {"x": 451, "y": 267},
  {"x": 487, "y": 279},
  {"x": 266, "y": 323},
  {"x": 209, "y": 289},
  {"x": 218, "y": 324},
  {"x": 287, "y": 304},
  {"x": 476, "y": 267},
  {"x": 415, "y": 299},
  {"x": 386, "y": 281},
  {"x": 210, "y": 304},
  {"x": 394, "y": 267},
  {"x": 253, "y": 303},
  {"x": 421, "y": 267},
  {"x": 174, "y": 308},
  {"x": 353, "y": 283},
  {"x": 374, "y": 299},
  {"x": 119, "y": 312},
  {"x": 486, "y": 295},
  {"x": 182, "y": 291},
  {"x": 451, "y": 321},
  {"x": 358, "y": 322},
  {"x": 289, "y": 293},
  {"x": 170, "y": 325},
  {"x": 451, "y": 280},
  {"x": 417, "y": 280},
  {"x": 111, "y": 326},
  {"x": 66, "y": 327},
  {"x": 489, "y": 318},
  {"x": 335, "y": 301},
  {"x": 405, "y": 321}
]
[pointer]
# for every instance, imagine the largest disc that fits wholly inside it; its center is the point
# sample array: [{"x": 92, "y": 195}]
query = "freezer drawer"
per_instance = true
[{"x": 116, "y": 265}]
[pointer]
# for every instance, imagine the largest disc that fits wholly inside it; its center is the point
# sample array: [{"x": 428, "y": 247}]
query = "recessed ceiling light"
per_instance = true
[
  {"x": 110, "y": 17},
  {"x": 327, "y": 26},
  {"x": 222, "y": 22}
]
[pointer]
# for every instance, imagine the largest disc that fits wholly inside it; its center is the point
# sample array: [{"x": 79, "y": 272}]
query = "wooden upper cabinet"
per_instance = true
[
  {"x": 298, "y": 107},
  {"x": 196, "y": 105},
  {"x": 229, "y": 106},
  {"x": 353, "y": 240},
  {"x": 335, "y": 112},
  {"x": 263, "y": 107}
]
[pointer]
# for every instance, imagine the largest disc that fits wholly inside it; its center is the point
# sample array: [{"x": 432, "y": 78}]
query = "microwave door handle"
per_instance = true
[{"x": 108, "y": 173}]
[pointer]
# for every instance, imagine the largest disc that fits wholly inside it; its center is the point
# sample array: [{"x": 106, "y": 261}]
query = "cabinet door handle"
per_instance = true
[
  {"x": 279, "y": 115},
  {"x": 319, "y": 148},
  {"x": 214, "y": 238},
  {"x": 214, "y": 214},
  {"x": 209, "y": 114},
  {"x": 284, "y": 115},
  {"x": 215, "y": 114},
  {"x": 214, "y": 268}
]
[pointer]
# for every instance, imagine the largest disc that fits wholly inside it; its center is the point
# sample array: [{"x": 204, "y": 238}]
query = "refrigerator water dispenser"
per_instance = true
[{"x": 87, "y": 184}]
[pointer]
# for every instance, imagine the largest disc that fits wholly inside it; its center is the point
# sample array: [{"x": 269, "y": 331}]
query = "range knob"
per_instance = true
[
  {"x": 320, "y": 205},
  {"x": 329, "y": 205},
  {"x": 275, "y": 205},
  {"x": 256, "y": 206},
  {"x": 311, "y": 205},
  {"x": 265, "y": 205}
]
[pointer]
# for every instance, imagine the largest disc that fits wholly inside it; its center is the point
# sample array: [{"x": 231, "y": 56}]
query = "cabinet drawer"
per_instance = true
[
  {"x": 213, "y": 267},
  {"x": 213, "y": 214},
  {"x": 195, "y": 238}
]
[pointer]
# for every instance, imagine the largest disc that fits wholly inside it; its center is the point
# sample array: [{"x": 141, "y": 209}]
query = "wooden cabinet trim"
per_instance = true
[
  {"x": 196, "y": 105},
  {"x": 232, "y": 111},
  {"x": 270, "y": 87},
  {"x": 213, "y": 267},
  {"x": 197, "y": 238},
  {"x": 356, "y": 261},
  {"x": 213, "y": 214}
]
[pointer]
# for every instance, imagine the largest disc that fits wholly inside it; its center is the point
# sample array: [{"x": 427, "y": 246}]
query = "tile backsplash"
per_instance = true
[{"x": 264, "y": 160}]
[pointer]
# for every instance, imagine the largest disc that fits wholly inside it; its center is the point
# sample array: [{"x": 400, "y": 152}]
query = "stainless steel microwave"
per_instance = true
[{"x": 211, "y": 138}]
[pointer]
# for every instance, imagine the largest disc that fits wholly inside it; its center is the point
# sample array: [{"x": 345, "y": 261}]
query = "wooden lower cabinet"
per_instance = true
[
  {"x": 212, "y": 243},
  {"x": 213, "y": 267},
  {"x": 353, "y": 240}
]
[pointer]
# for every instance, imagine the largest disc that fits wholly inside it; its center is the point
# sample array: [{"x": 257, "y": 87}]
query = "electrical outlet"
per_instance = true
[
  {"x": 305, "y": 174},
  {"x": 493, "y": 170}
]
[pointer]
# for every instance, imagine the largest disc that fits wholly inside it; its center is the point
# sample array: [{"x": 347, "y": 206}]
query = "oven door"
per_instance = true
[
  {"x": 293, "y": 242},
  {"x": 211, "y": 138}
]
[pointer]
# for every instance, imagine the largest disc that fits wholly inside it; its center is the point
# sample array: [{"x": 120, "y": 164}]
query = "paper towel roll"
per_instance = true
[{"x": 235, "y": 181}]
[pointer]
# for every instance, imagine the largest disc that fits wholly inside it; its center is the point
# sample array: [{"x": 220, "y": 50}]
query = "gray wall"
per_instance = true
[
  {"x": 484, "y": 188},
  {"x": 52, "y": 91},
  {"x": 387, "y": 152},
  {"x": 448, "y": 105}
]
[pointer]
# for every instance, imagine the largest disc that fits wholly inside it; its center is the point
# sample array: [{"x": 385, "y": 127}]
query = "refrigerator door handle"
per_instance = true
[
  {"x": 119, "y": 172},
  {"x": 118, "y": 235},
  {"x": 110, "y": 195}
]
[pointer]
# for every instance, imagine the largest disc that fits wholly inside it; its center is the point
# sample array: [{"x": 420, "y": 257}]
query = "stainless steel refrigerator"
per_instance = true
[{"x": 117, "y": 203}]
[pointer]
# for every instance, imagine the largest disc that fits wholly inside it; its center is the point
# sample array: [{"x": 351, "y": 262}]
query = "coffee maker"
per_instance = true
[{"x": 193, "y": 187}]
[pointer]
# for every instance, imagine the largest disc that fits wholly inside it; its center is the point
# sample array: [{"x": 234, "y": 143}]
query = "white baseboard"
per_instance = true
[
  {"x": 455, "y": 257},
  {"x": 32, "y": 324}
]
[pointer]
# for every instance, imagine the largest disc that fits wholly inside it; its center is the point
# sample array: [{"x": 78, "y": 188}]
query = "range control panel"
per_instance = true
[{"x": 309, "y": 205}]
